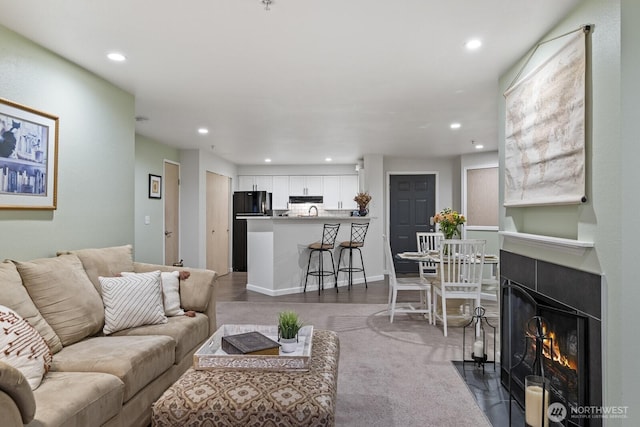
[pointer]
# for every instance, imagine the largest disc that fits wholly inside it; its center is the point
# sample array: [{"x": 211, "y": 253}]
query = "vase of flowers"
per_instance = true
[
  {"x": 449, "y": 221},
  {"x": 362, "y": 199}
]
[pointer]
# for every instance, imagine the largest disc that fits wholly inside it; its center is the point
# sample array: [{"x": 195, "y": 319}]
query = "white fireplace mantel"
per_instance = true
[{"x": 576, "y": 247}]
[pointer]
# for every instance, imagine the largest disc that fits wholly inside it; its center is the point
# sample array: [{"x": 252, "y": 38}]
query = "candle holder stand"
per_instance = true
[
  {"x": 477, "y": 324},
  {"x": 538, "y": 395}
]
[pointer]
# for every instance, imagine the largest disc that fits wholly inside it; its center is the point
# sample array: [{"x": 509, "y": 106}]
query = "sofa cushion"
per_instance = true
[
  {"x": 17, "y": 387},
  {"x": 135, "y": 360},
  {"x": 132, "y": 300},
  {"x": 22, "y": 347},
  {"x": 14, "y": 295},
  {"x": 187, "y": 332},
  {"x": 105, "y": 262},
  {"x": 170, "y": 292},
  {"x": 63, "y": 293},
  {"x": 77, "y": 399}
]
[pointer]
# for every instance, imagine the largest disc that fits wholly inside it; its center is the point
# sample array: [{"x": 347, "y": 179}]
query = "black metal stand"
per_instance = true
[{"x": 478, "y": 321}]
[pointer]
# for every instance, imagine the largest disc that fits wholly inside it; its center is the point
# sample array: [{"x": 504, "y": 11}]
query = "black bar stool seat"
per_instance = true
[
  {"x": 329, "y": 234},
  {"x": 358, "y": 233}
]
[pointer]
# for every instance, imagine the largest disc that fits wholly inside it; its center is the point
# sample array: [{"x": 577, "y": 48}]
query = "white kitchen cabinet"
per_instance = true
[
  {"x": 255, "y": 183},
  {"x": 280, "y": 196},
  {"x": 305, "y": 185},
  {"x": 339, "y": 191}
]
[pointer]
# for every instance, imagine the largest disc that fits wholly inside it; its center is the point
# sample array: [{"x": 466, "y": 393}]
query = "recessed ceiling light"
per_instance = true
[
  {"x": 473, "y": 44},
  {"x": 116, "y": 56},
  {"x": 203, "y": 131},
  {"x": 328, "y": 159},
  {"x": 479, "y": 147},
  {"x": 455, "y": 125},
  {"x": 267, "y": 160}
]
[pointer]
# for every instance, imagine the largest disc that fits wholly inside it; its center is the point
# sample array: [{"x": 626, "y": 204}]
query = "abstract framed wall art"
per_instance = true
[
  {"x": 155, "y": 186},
  {"x": 28, "y": 157}
]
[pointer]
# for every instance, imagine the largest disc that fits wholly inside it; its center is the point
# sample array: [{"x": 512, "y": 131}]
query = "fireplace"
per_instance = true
[{"x": 569, "y": 301}]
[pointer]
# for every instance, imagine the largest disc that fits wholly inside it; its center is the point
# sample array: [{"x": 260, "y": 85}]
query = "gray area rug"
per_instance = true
[{"x": 396, "y": 374}]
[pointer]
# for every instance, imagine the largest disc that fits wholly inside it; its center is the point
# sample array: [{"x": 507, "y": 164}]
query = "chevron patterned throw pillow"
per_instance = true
[{"x": 133, "y": 300}]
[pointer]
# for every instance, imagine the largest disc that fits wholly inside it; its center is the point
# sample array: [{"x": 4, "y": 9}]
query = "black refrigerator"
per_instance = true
[{"x": 246, "y": 203}]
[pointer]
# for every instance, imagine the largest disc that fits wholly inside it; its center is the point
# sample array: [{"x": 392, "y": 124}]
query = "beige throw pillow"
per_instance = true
[
  {"x": 132, "y": 300},
  {"x": 22, "y": 347},
  {"x": 105, "y": 262},
  {"x": 63, "y": 293},
  {"x": 14, "y": 295},
  {"x": 170, "y": 292}
]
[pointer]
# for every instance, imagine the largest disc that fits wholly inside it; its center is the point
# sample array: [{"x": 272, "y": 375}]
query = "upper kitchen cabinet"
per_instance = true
[
  {"x": 305, "y": 186},
  {"x": 280, "y": 194},
  {"x": 339, "y": 191},
  {"x": 255, "y": 183}
]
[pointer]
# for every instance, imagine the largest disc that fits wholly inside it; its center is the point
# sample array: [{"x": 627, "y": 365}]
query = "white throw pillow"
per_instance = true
[
  {"x": 132, "y": 300},
  {"x": 22, "y": 347},
  {"x": 170, "y": 292}
]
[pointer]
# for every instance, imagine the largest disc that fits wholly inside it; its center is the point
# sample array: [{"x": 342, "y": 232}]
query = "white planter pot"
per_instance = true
[{"x": 288, "y": 345}]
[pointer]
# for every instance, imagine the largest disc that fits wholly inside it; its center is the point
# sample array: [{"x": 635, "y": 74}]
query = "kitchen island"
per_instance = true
[{"x": 277, "y": 252}]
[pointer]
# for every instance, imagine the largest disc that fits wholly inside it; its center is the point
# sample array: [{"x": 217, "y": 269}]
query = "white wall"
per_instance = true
[
  {"x": 608, "y": 217},
  {"x": 95, "y": 159},
  {"x": 193, "y": 221}
]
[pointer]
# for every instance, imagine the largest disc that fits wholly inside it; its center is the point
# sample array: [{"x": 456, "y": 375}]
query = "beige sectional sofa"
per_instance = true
[{"x": 97, "y": 379}]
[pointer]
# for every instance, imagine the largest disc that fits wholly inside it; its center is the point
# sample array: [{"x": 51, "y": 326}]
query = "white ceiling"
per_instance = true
[{"x": 304, "y": 80}]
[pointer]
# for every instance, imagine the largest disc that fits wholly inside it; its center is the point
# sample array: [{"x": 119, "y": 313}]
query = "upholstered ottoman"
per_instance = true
[{"x": 226, "y": 397}]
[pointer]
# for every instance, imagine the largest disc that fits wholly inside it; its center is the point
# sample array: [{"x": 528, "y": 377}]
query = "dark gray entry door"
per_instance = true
[{"x": 412, "y": 200}]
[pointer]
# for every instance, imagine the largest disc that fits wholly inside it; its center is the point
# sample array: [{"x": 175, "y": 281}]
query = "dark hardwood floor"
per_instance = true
[{"x": 233, "y": 287}]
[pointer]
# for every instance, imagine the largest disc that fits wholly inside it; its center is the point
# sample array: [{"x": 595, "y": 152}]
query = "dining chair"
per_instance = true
[
  {"x": 459, "y": 276},
  {"x": 423, "y": 306},
  {"x": 428, "y": 241}
]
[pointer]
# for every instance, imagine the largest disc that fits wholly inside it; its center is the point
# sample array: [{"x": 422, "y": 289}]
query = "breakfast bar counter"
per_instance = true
[{"x": 277, "y": 252}]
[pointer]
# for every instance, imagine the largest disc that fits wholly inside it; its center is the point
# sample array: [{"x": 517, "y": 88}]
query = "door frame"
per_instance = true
[
  {"x": 387, "y": 225},
  {"x": 164, "y": 209}
]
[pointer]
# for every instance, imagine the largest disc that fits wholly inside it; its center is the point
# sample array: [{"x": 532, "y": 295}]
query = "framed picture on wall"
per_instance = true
[
  {"x": 28, "y": 157},
  {"x": 155, "y": 186}
]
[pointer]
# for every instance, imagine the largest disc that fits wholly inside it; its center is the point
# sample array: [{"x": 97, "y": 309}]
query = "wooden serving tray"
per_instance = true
[{"x": 211, "y": 356}]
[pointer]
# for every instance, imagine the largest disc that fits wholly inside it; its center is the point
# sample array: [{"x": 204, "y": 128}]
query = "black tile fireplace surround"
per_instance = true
[{"x": 572, "y": 294}]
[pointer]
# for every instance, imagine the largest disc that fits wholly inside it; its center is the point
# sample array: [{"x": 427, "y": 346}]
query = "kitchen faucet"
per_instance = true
[{"x": 313, "y": 207}]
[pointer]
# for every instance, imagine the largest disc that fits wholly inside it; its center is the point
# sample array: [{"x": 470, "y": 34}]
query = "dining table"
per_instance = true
[{"x": 453, "y": 305}]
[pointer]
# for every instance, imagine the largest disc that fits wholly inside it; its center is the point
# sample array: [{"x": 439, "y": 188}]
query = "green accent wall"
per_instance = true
[
  {"x": 95, "y": 160},
  {"x": 149, "y": 238},
  {"x": 609, "y": 217}
]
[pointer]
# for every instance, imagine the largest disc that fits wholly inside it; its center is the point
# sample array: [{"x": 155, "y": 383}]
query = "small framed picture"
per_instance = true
[
  {"x": 155, "y": 186},
  {"x": 28, "y": 157}
]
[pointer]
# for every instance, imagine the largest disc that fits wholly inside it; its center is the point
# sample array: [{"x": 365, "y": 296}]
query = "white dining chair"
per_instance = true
[
  {"x": 459, "y": 276},
  {"x": 428, "y": 241},
  {"x": 423, "y": 306}
]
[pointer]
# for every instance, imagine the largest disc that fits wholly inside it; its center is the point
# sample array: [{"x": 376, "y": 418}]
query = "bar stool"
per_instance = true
[
  {"x": 358, "y": 232},
  {"x": 329, "y": 234}
]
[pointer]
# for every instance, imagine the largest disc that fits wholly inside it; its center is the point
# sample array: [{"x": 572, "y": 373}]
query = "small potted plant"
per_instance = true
[{"x": 288, "y": 326}]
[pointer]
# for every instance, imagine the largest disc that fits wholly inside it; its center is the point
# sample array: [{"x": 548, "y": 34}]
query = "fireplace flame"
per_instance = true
[{"x": 553, "y": 353}]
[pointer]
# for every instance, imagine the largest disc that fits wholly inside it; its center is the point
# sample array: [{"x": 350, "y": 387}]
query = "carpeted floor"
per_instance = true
[{"x": 396, "y": 374}]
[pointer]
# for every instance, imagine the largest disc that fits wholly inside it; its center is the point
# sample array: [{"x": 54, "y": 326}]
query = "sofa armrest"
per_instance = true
[
  {"x": 16, "y": 397},
  {"x": 196, "y": 292}
]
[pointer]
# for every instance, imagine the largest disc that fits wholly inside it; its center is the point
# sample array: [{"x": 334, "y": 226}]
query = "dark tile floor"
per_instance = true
[{"x": 491, "y": 396}]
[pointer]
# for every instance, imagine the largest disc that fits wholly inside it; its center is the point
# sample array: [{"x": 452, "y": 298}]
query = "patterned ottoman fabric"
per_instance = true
[{"x": 254, "y": 397}]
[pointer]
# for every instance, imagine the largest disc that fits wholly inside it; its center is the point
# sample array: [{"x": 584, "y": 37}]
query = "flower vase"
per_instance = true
[{"x": 363, "y": 211}]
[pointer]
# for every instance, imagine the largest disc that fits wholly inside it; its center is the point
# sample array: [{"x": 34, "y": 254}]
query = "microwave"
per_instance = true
[{"x": 252, "y": 203}]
